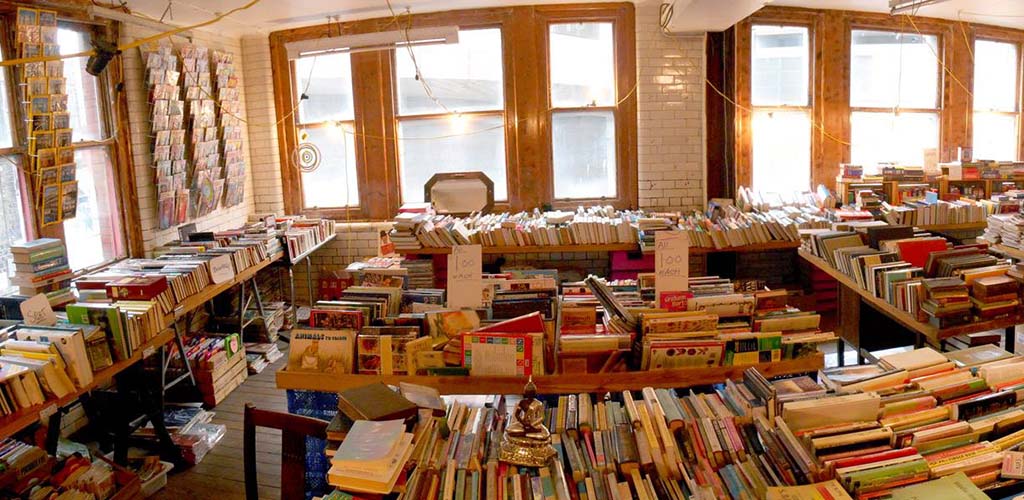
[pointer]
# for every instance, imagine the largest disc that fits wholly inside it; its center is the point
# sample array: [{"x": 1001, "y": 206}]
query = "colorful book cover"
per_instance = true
[{"x": 321, "y": 350}]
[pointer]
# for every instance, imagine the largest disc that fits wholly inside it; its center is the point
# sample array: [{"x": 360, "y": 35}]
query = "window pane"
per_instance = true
[
  {"x": 582, "y": 65},
  {"x": 889, "y": 69},
  {"x": 327, "y": 81},
  {"x": 779, "y": 65},
  {"x": 885, "y": 137},
  {"x": 995, "y": 136},
  {"x": 466, "y": 76},
  {"x": 782, "y": 151},
  {"x": 583, "y": 150},
  {"x": 334, "y": 183},
  {"x": 84, "y": 108},
  {"x": 477, "y": 144},
  {"x": 6, "y": 136},
  {"x": 12, "y": 219},
  {"x": 94, "y": 234},
  {"x": 995, "y": 76}
]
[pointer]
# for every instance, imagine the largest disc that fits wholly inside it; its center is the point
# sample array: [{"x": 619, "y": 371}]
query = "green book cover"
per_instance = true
[{"x": 108, "y": 318}]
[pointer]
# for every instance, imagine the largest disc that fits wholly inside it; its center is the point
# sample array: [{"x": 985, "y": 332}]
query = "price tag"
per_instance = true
[
  {"x": 47, "y": 412},
  {"x": 671, "y": 262},
  {"x": 465, "y": 283}
]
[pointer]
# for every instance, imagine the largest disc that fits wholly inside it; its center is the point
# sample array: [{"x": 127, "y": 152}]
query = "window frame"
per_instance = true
[
  {"x": 527, "y": 118},
  {"x": 1002, "y": 35},
  {"x": 939, "y": 82},
  {"x": 507, "y": 101},
  {"x": 808, "y": 108},
  {"x": 330, "y": 211}
]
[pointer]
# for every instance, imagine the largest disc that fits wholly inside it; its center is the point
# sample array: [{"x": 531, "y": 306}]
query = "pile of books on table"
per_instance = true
[
  {"x": 300, "y": 234},
  {"x": 41, "y": 266},
  {"x": 934, "y": 212},
  {"x": 917, "y": 423}
]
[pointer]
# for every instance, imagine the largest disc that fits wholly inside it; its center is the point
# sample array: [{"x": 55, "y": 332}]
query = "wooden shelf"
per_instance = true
[
  {"x": 531, "y": 249},
  {"x": 14, "y": 423},
  {"x": 770, "y": 246},
  {"x": 904, "y": 318},
  {"x": 966, "y": 226},
  {"x": 11, "y": 424},
  {"x": 553, "y": 384},
  {"x": 1008, "y": 251},
  {"x": 206, "y": 294},
  {"x": 298, "y": 258}
]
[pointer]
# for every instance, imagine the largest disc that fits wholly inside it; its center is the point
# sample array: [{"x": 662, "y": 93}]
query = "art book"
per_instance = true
[
  {"x": 503, "y": 354},
  {"x": 322, "y": 350}
]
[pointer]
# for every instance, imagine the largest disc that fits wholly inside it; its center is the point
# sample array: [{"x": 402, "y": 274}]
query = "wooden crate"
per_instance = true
[{"x": 220, "y": 375}]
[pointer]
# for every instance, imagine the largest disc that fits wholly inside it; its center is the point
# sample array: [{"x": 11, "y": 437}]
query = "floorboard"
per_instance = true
[{"x": 220, "y": 475}]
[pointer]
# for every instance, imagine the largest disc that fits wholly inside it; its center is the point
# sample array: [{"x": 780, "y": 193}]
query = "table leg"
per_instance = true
[
  {"x": 841, "y": 351},
  {"x": 309, "y": 280},
  {"x": 848, "y": 324},
  {"x": 1010, "y": 339}
]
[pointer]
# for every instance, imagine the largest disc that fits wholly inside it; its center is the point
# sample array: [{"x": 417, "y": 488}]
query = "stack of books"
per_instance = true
[
  {"x": 260, "y": 355},
  {"x": 301, "y": 234},
  {"x": 946, "y": 301},
  {"x": 927, "y": 211},
  {"x": 128, "y": 324},
  {"x": 995, "y": 296},
  {"x": 41, "y": 266}
]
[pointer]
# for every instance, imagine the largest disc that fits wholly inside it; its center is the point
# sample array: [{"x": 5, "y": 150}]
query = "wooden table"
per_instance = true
[
  {"x": 851, "y": 296},
  {"x": 553, "y": 384}
]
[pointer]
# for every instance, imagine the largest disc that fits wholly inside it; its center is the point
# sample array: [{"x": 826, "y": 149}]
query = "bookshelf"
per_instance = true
[
  {"x": 553, "y": 384},
  {"x": 14, "y": 423},
  {"x": 291, "y": 261},
  {"x": 612, "y": 247},
  {"x": 851, "y": 296}
]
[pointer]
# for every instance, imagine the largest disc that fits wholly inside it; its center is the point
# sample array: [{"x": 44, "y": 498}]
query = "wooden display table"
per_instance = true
[
  {"x": 554, "y": 384},
  {"x": 851, "y": 296}
]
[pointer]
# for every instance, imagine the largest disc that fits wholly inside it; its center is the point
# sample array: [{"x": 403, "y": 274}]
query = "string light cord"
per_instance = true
[{"x": 939, "y": 59}]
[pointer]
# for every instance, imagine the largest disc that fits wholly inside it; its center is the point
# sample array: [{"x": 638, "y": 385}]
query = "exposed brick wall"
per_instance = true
[
  {"x": 259, "y": 93},
  {"x": 139, "y": 112}
]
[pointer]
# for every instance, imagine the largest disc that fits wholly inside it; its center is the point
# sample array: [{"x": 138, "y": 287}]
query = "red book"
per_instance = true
[
  {"x": 527, "y": 323},
  {"x": 137, "y": 287},
  {"x": 874, "y": 457},
  {"x": 915, "y": 251}
]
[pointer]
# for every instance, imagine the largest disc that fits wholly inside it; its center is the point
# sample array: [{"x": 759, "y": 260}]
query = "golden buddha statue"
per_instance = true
[{"x": 527, "y": 441}]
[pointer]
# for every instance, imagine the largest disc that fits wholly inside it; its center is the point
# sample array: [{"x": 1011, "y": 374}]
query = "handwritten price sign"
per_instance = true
[
  {"x": 671, "y": 262},
  {"x": 465, "y": 266}
]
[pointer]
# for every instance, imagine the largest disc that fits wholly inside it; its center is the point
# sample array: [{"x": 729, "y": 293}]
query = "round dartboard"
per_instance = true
[{"x": 307, "y": 157}]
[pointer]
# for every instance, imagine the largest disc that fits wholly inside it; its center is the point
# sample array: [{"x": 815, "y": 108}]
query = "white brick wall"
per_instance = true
[
  {"x": 670, "y": 115},
  {"x": 141, "y": 136},
  {"x": 259, "y": 94}
]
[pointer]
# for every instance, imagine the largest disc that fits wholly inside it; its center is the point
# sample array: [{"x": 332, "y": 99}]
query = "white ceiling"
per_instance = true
[{"x": 272, "y": 15}]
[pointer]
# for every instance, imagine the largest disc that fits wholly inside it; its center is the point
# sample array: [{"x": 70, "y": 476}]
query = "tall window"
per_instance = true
[
  {"x": 780, "y": 95},
  {"x": 12, "y": 214},
  {"x": 995, "y": 100},
  {"x": 326, "y": 119},
  {"x": 894, "y": 97},
  {"x": 583, "y": 105},
  {"x": 95, "y": 233},
  {"x": 452, "y": 118}
]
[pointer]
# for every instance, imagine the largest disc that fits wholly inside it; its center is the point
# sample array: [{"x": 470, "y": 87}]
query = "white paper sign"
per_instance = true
[
  {"x": 465, "y": 267},
  {"x": 671, "y": 262},
  {"x": 37, "y": 311},
  {"x": 221, "y": 269}
]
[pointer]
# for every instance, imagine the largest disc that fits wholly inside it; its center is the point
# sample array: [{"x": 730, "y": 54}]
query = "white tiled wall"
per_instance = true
[{"x": 141, "y": 137}]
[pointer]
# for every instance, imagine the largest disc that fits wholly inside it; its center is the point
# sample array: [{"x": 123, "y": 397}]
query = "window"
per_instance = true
[
  {"x": 995, "y": 100},
  {"x": 780, "y": 97},
  {"x": 894, "y": 97},
  {"x": 95, "y": 233},
  {"x": 12, "y": 213},
  {"x": 327, "y": 120},
  {"x": 452, "y": 118},
  {"x": 583, "y": 110}
]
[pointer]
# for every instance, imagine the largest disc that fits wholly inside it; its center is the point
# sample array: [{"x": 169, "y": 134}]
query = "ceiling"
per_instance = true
[{"x": 690, "y": 15}]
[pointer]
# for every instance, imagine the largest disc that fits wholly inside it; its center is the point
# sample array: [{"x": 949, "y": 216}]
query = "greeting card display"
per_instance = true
[
  {"x": 43, "y": 92},
  {"x": 231, "y": 127},
  {"x": 168, "y": 134}
]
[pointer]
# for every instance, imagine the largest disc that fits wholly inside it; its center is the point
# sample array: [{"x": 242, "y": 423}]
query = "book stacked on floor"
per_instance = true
[
  {"x": 75, "y": 474},
  {"x": 41, "y": 266},
  {"x": 260, "y": 355}
]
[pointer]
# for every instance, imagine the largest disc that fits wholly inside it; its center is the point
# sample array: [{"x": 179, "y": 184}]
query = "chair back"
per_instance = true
[{"x": 294, "y": 430}]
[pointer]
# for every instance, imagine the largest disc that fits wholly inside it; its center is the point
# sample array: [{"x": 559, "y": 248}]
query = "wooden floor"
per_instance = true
[{"x": 220, "y": 475}]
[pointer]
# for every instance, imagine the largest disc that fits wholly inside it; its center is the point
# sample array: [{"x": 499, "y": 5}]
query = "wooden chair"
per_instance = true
[{"x": 294, "y": 429}]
